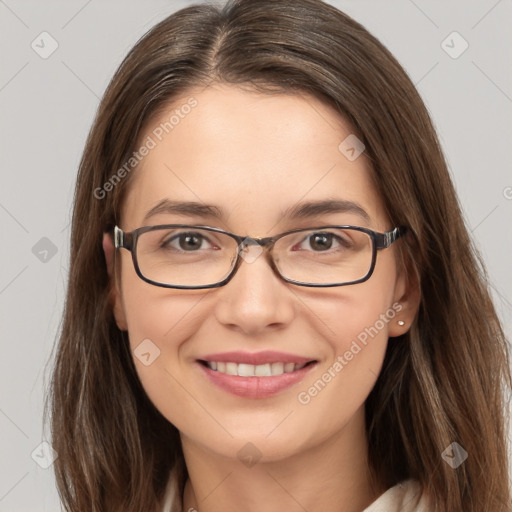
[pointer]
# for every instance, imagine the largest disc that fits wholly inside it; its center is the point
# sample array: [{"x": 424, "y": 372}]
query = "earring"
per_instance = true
[{"x": 401, "y": 323}]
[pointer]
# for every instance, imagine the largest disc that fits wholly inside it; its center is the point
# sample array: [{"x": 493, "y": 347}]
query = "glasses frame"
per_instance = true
[{"x": 128, "y": 240}]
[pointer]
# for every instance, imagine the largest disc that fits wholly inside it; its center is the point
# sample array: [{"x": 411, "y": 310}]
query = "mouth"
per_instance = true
[
  {"x": 250, "y": 370},
  {"x": 260, "y": 375}
]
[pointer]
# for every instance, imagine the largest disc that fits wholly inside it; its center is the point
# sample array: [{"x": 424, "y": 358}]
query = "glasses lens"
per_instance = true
[
  {"x": 327, "y": 256},
  {"x": 199, "y": 257},
  {"x": 185, "y": 256}
]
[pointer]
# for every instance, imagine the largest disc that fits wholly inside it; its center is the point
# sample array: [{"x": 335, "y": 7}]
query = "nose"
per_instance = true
[{"x": 255, "y": 299}]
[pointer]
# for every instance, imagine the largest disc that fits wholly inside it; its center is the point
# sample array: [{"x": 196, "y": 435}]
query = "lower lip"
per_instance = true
[{"x": 255, "y": 387}]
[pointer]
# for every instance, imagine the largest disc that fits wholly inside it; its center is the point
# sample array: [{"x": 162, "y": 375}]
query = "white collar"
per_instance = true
[{"x": 403, "y": 497}]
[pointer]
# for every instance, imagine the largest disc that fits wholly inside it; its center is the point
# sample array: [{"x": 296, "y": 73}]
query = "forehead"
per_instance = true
[{"x": 252, "y": 154}]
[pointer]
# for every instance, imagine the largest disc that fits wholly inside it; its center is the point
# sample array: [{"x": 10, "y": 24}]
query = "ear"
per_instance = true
[
  {"x": 407, "y": 299},
  {"x": 115, "y": 293}
]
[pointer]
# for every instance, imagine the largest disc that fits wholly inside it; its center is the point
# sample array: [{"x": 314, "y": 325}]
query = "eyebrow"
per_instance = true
[{"x": 299, "y": 211}]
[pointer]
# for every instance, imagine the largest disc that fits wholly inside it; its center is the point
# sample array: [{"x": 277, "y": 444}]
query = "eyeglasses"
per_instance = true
[{"x": 197, "y": 257}]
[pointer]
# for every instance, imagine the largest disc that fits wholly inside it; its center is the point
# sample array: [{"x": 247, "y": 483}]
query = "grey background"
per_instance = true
[{"x": 47, "y": 107}]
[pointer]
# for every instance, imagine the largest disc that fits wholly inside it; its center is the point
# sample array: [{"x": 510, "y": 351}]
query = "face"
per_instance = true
[{"x": 254, "y": 156}]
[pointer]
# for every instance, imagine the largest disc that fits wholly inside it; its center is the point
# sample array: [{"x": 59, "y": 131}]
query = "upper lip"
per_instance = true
[{"x": 256, "y": 358}]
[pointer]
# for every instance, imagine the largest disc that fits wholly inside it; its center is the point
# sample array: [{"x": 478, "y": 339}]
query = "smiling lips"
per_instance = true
[{"x": 256, "y": 375}]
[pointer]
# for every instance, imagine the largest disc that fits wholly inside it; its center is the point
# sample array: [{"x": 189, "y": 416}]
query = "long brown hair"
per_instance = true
[{"x": 442, "y": 382}]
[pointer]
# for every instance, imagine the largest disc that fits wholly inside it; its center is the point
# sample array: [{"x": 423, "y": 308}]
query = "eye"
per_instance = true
[
  {"x": 189, "y": 241},
  {"x": 322, "y": 241}
]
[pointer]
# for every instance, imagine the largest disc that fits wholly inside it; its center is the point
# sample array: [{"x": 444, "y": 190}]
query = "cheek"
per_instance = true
[
  {"x": 167, "y": 318},
  {"x": 358, "y": 337},
  {"x": 355, "y": 322},
  {"x": 359, "y": 330},
  {"x": 159, "y": 320},
  {"x": 152, "y": 312},
  {"x": 360, "y": 315},
  {"x": 159, "y": 324},
  {"x": 363, "y": 336}
]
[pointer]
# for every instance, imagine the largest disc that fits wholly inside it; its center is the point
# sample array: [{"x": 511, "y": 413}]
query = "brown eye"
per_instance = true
[
  {"x": 188, "y": 241},
  {"x": 322, "y": 241}
]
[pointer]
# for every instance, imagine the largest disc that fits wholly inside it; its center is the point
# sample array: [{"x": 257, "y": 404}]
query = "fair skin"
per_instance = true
[{"x": 255, "y": 155}]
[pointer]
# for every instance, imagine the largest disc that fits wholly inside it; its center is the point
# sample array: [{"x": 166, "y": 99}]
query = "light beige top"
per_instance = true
[{"x": 403, "y": 497}]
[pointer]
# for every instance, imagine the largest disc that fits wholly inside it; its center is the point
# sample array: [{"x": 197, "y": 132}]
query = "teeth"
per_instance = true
[
  {"x": 250, "y": 370},
  {"x": 246, "y": 370},
  {"x": 289, "y": 367},
  {"x": 263, "y": 370},
  {"x": 277, "y": 368},
  {"x": 231, "y": 368}
]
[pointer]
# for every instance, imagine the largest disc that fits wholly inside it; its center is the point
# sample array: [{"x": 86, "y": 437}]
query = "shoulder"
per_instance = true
[{"x": 406, "y": 496}]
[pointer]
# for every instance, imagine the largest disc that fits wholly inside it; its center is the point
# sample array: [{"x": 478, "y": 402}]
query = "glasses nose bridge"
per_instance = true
[{"x": 265, "y": 243}]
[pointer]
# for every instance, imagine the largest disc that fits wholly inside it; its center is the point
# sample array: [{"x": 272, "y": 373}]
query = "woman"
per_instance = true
[{"x": 273, "y": 300}]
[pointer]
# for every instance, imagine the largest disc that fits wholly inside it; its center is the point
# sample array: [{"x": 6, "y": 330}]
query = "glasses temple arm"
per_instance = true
[{"x": 384, "y": 240}]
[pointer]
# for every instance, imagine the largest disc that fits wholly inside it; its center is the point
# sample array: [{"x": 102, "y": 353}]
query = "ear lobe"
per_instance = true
[
  {"x": 114, "y": 293},
  {"x": 408, "y": 296}
]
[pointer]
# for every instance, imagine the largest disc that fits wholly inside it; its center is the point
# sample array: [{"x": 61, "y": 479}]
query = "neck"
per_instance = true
[{"x": 331, "y": 476}]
